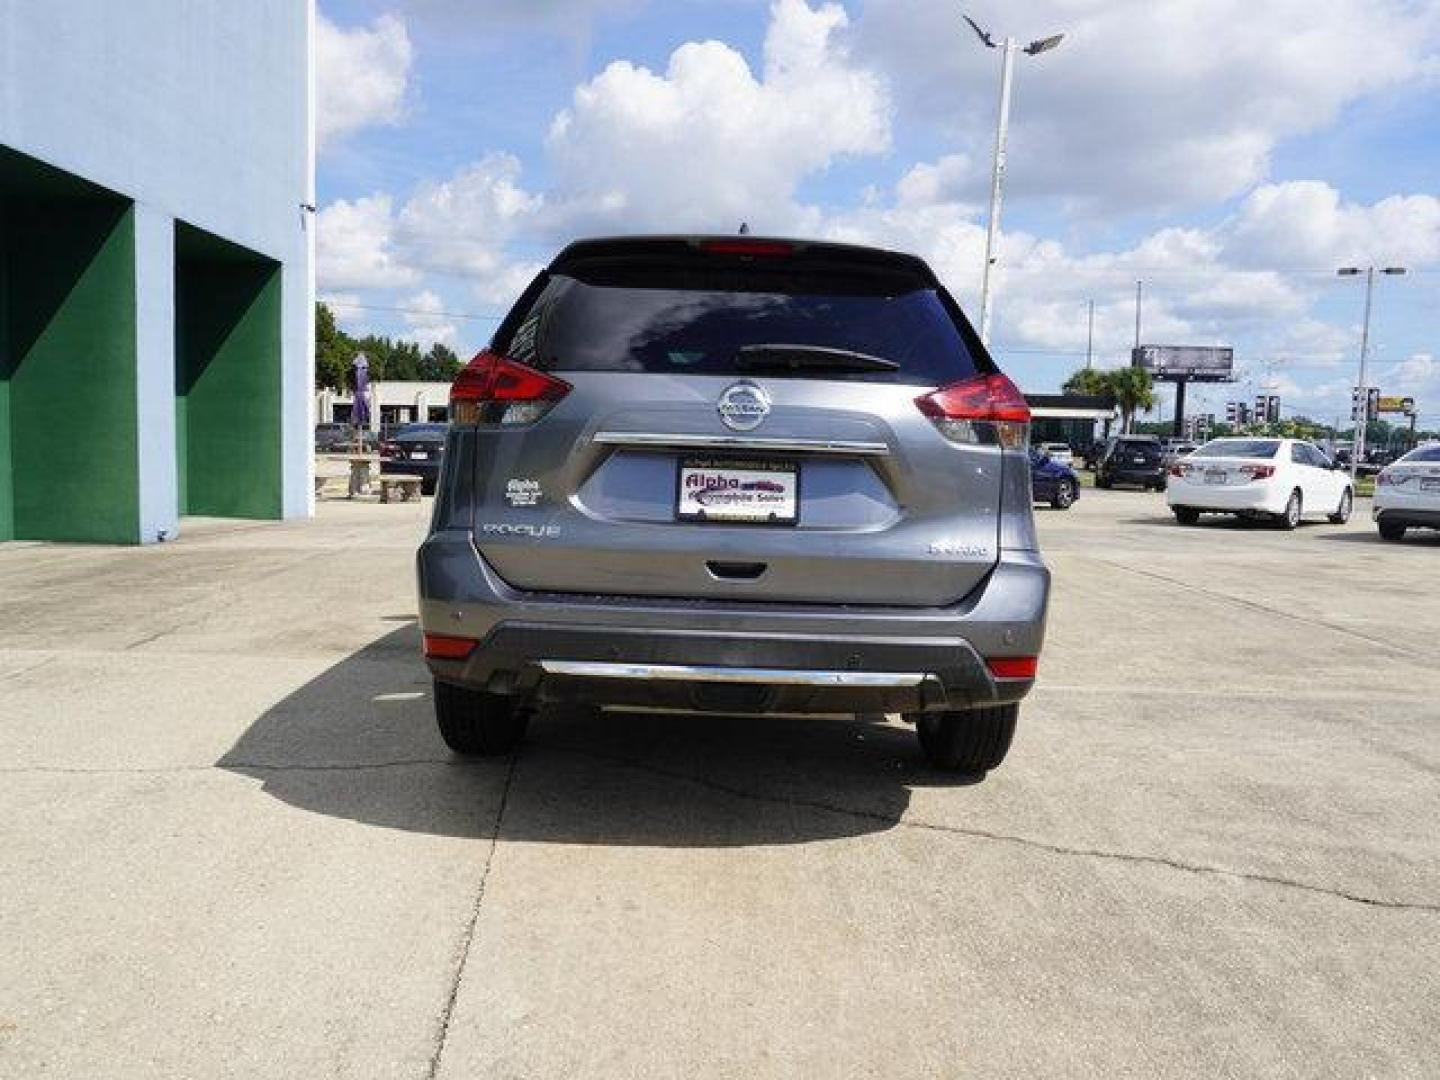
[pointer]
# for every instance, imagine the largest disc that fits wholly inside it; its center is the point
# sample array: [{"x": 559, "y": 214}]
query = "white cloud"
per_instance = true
[
  {"x": 1147, "y": 104},
  {"x": 429, "y": 324},
  {"x": 1305, "y": 224},
  {"x": 354, "y": 249},
  {"x": 362, "y": 75},
  {"x": 462, "y": 226},
  {"x": 707, "y": 144}
]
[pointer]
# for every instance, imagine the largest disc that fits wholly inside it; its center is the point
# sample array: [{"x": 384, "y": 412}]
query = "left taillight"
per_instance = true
[
  {"x": 494, "y": 389},
  {"x": 985, "y": 409}
]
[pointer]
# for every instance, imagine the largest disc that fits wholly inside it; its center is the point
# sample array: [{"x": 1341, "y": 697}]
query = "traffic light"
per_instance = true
[
  {"x": 1355, "y": 403},
  {"x": 1372, "y": 404}
]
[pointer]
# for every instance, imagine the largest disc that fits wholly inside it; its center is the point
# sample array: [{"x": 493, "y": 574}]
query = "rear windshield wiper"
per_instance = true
[{"x": 808, "y": 358}]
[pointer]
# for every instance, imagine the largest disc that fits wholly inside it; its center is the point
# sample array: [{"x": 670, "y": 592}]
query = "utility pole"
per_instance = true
[
  {"x": 1090, "y": 337},
  {"x": 1139, "y": 288},
  {"x": 1007, "y": 49}
]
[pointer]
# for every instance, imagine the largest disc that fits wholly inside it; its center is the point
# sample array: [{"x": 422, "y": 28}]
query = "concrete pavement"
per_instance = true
[{"x": 234, "y": 846}]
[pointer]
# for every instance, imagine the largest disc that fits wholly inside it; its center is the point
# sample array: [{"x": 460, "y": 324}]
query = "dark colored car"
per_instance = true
[
  {"x": 735, "y": 475},
  {"x": 1051, "y": 482},
  {"x": 415, "y": 450},
  {"x": 333, "y": 438},
  {"x": 1132, "y": 459}
]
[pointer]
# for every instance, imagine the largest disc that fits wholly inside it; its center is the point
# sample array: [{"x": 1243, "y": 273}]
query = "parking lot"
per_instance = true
[{"x": 233, "y": 844}]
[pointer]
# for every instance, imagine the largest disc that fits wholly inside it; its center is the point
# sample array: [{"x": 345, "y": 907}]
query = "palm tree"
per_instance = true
[{"x": 1133, "y": 389}]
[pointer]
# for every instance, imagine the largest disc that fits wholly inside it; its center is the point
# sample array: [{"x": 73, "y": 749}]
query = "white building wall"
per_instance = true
[{"x": 200, "y": 110}]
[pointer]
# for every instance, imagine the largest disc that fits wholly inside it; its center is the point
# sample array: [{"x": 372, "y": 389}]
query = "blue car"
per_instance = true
[{"x": 1051, "y": 482}]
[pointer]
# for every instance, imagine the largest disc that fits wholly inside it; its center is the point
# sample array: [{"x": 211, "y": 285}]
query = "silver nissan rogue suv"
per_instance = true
[{"x": 735, "y": 475}]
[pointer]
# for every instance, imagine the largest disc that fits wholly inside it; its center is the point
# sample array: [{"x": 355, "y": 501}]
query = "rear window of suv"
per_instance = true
[
  {"x": 641, "y": 322},
  {"x": 1240, "y": 448}
]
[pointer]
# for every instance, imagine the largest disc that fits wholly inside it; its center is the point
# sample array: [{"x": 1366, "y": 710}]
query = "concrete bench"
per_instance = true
[{"x": 407, "y": 487}]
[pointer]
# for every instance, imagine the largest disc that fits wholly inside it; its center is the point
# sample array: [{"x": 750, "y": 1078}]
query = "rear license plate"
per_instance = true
[
  {"x": 752, "y": 492},
  {"x": 1214, "y": 476},
  {"x": 420, "y": 455}
]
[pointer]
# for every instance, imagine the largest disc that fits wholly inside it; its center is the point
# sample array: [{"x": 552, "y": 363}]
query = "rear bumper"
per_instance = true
[
  {"x": 1420, "y": 517},
  {"x": 1257, "y": 498},
  {"x": 634, "y": 651},
  {"x": 1139, "y": 477},
  {"x": 427, "y": 470}
]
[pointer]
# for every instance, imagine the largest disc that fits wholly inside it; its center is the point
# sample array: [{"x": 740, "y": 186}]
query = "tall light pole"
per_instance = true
[
  {"x": 1007, "y": 49},
  {"x": 1362, "y": 409}
]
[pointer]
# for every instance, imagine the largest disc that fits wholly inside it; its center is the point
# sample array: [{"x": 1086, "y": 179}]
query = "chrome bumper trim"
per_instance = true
[
  {"x": 650, "y": 439},
  {"x": 595, "y": 669}
]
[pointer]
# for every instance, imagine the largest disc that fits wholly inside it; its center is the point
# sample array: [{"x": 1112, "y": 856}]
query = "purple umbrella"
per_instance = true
[{"x": 360, "y": 411}]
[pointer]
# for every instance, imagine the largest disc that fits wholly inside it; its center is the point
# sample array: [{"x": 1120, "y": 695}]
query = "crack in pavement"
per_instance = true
[
  {"x": 779, "y": 800},
  {"x": 1010, "y": 838},
  {"x": 462, "y": 952},
  {"x": 1303, "y": 620}
]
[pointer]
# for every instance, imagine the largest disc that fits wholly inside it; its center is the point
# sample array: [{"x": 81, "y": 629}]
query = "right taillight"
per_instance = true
[
  {"x": 494, "y": 389},
  {"x": 1258, "y": 472},
  {"x": 1177, "y": 471},
  {"x": 985, "y": 409}
]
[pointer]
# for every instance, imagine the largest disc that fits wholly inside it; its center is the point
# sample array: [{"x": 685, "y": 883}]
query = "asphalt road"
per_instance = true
[{"x": 232, "y": 845}]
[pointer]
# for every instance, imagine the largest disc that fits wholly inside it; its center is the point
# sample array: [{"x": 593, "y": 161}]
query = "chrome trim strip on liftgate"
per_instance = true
[
  {"x": 738, "y": 442},
  {"x": 595, "y": 669}
]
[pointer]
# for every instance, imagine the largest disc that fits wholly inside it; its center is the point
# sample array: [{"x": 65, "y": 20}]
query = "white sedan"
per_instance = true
[
  {"x": 1407, "y": 493},
  {"x": 1280, "y": 479}
]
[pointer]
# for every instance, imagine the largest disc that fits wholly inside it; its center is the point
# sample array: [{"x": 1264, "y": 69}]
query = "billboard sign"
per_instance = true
[
  {"x": 1186, "y": 363},
  {"x": 1397, "y": 404}
]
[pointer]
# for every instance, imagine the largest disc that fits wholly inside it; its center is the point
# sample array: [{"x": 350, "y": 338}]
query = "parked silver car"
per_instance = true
[{"x": 735, "y": 475}]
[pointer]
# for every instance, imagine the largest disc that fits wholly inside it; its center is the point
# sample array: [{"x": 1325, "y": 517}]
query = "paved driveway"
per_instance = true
[{"x": 231, "y": 845}]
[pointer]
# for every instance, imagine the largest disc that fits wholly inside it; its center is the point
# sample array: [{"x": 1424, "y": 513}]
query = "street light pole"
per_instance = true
[
  {"x": 1090, "y": 336},
  {"x": 1362, "y": 402},
  {"x": 997, "y": 179},
  {"x": 1007, "y": 48}
]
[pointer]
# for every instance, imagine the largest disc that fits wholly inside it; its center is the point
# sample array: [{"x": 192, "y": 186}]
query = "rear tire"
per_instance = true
[
  {"x": 1347, "y": 505},
  {"x": 1186, "y": 515},
  {"x": 477, "y": 724},
  {"x": 1102, "y": 482},
  {"x": 967, "y": 740},
  {"x": 1391, "y": 530},
  {"x": 1294, "y": 509},
  {"x": 1064, "y": 495}
]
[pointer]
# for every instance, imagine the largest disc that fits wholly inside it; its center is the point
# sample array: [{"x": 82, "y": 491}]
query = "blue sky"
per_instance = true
[{"x": 1229, "y": 157}]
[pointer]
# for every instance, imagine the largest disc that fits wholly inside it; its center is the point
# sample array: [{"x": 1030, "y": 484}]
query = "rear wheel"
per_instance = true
[
  {"x": 1342, "y": 513},
  {"x": 475, "y": 723},
  {"x": 1186, "y": 515},
  {"x": 1064, "y": 495},
  {"x": 1391, "y": 530},
  {"x": 967, "y": 740},
  {"x": 1102, "y": 481},
  {"x": 1289, "y": 518}
]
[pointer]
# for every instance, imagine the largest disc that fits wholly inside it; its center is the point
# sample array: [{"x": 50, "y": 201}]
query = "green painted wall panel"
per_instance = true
[
  {"x": 228, "y": 386},
  {"x": 70, "y": 342},
  {"x": 7, "y": 498}
]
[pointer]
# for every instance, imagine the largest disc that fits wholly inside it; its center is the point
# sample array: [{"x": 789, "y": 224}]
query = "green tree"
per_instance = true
[
  {"x": 1134, "y": 391},
  {"x": 334, "y": 349},
  {"x": 1089, "y": 382},
  {"x": 440, "y": 364}
]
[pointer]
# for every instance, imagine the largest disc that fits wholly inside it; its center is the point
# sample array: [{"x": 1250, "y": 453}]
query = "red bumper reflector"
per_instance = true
[
  {"x": 1013, "y": 667},
  {"x": 444, "y": 647}
]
